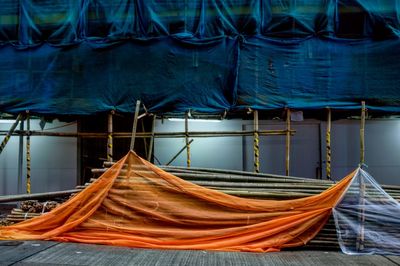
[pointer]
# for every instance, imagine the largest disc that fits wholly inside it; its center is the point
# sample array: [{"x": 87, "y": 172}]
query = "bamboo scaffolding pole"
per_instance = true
[
  {"x": 278, "y": 194},
  {"x": 54, "y": 194},
  {"x": 256, "y": 144},
  {"x": 222, "y": 172},
  {"x": 146, "y": 150},
  {"x": 188, "y": 162},
  {"x": 20, "y": 158},
  {"x": 362, "y": 133},
  {"x": 328, "y": 145},
  {"x": 134, "y": 128},
  {"x": 197, "y": 134},
  {"x": 28, "y": 155},
  {"x": 10, "y": 133},
  {"x": 110, "y": 136},
  {"x": 249, "y": 175},
  {"x": 361, "y": 218},
  {"x": 360, "y": 237},
  {"x": 179, "y": 152},
  {"x": 287, "y": 170},
  {"x": 153, "y": 127}
]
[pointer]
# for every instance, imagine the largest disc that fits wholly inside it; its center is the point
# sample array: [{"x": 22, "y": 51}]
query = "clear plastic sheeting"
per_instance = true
[{"x": 367, "y": 218}]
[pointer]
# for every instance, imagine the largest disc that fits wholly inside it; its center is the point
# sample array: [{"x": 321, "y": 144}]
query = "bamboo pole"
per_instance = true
[
  {"x": 20, "y": 158},
  {"x": 12, "y": 198},
  {"x": 152, "y": 138},
  {"x": 110, "y": 137},
  {"x": 256, "y": 146},
  {"x": 361, "y": 215},
  {"x": 9, "y": 133},
  {"x": 134, "y": 128},
  {"x": 187, "y": 139},
  {"x": 362, "y": 133},
  {"x": 197, "y": 134},
  {"x": 287, "y": 170},
  {"x": 224, "y": 172},
  {"x": 28, "y": 154},
  {"x": 328, "y": 145},
  {"x": 360, "y": 236},
  {"x": 146, "y": 151},
  {"x": 179, "y": 152}
]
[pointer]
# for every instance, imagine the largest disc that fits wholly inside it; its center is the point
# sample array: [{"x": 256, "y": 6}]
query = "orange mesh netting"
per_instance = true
[{"x": 136, "y": 204}]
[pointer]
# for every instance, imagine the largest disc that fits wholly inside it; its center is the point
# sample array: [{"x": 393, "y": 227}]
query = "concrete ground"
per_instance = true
[{"x": 54, "y": 253}]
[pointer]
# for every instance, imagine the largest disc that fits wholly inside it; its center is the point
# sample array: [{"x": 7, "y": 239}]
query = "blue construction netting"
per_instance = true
[{"x": 89, "y": 56}]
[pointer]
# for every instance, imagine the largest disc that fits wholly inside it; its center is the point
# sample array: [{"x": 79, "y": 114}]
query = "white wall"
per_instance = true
[
  {"x": 382, "y": 154},
  {"x": 304, "y": 149},
  {"x": 382, "y": 148},
  {"x": 53, "y": 161},
  {"x": 218, "y": 152}
]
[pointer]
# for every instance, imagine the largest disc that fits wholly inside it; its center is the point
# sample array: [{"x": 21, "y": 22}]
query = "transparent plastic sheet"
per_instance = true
[
  {"x": 136, "y": 204},
  {"x": 367, "y": 218}
]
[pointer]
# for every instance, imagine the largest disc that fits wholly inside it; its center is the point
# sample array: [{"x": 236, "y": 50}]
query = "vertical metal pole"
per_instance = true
[
  {"x": 110, "y": 137},
  {"x": 20, "y": 157},
  {"x": 362, "y": 133},
  {"x": 9, "y": 133},
  {"x": 28, "y": 154},
  {"x": 187, "y": 139},
  {"x": 328, "y": 144},
  {"x": 256, "y": 142},
  {"x": 134, "y": 128},
  {"x": 287, "y": 172},
  {"x": 152, "y": 139}
]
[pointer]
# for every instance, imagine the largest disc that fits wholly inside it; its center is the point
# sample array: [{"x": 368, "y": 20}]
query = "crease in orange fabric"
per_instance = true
[{"x": 136, "y": 204}]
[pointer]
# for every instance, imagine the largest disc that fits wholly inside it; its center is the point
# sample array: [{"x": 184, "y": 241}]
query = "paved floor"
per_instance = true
[{"x": 53, "y": 253}]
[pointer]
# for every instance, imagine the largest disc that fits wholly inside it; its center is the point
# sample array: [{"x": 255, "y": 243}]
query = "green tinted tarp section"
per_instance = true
[{"x": 90, "y": 56}]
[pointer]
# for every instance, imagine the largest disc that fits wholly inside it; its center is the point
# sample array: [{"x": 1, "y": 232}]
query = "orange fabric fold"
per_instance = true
[{"x": 136, "y": 204}]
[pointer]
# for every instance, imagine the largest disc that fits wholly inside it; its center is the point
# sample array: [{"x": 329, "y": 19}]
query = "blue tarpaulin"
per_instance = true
[{"x": 90, "y": 56}]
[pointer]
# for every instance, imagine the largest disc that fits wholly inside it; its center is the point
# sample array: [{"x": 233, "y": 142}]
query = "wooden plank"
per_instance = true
[{"x": 14, "y": 251}]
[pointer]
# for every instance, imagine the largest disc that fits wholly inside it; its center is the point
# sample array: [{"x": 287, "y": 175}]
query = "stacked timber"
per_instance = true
[{"x": 29, "y": 209}]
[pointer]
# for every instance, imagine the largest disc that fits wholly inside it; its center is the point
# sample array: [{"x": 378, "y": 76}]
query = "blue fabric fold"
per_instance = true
[{"x": 89, "y": 56}]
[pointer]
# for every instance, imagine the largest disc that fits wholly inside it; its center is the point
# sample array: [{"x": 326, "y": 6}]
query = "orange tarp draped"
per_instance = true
[{"x": 136, "y": 204}]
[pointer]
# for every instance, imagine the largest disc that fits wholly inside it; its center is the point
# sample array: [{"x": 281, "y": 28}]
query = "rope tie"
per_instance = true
[
  {"x": 44, "y": 206},
  {"x": 328, "y": 155},
  {"x": 256, "y": 152}
]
